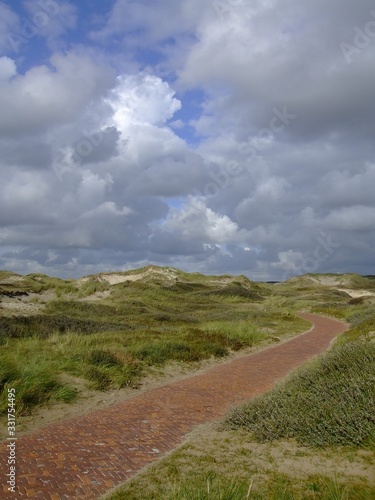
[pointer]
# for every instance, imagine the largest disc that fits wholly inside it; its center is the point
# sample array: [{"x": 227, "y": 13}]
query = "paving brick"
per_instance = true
[
  {"x": 54, "y": 496},
  {"x": 88, "y": 455}
]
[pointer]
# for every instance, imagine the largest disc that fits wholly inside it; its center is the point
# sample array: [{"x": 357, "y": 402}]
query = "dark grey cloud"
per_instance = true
[
  {"x": 97, "y": 145},
  {"x": 28, "y": 153}
]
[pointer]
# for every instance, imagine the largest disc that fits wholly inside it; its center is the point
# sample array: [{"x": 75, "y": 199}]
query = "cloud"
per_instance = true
[
  {"x": 357, "y": 218},
  {"x": 107, "y": 208},
  {"x": 196, "y": 221},
  {"x": 23, "y": 200},
  {"x": 214, "y": 137},
  {"x": 9, "y": 22},
  {"x": 52, "y": 19},
  {"x": 160, "y": 20},
  {"x": 281, "y": 54},
  {"x": 142, "y": 99},
  {"x": 45, "y": 97},
  {"x": 7, "y": 69}
]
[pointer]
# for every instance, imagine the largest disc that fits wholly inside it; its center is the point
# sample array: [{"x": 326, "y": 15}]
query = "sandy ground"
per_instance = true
[
  {"x": 357, "y": 293},
  {"x": 327, "y": 280},
  {"x": 115, "y": 279},
  {"x": 287, "y": 457},
  {"x": 26, "y": 305},
  {"x": 20, "y": 307}
]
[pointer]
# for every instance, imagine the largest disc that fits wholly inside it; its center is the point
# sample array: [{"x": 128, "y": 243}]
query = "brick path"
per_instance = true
[{"x": 86, "y": 456}]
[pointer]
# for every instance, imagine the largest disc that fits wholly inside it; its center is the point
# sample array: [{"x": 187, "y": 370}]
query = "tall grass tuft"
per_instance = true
[
  {"x": 218, "y": 490},
  {"x": 209, "y": 486},
  {"x": 34, "y": 385},
  {"x": 237, "y": 334}
]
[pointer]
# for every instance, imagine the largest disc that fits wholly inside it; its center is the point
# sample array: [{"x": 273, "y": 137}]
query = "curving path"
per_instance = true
[{"x": 86, "y": 456}]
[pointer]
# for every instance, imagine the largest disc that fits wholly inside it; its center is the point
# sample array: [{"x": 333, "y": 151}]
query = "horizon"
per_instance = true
[
  {"x": 116, "y": 271},
  {"x": 221, "y": 138}
]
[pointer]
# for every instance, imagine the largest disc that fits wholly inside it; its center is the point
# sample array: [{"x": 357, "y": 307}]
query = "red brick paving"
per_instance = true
[{"x": 86, "y": 456}]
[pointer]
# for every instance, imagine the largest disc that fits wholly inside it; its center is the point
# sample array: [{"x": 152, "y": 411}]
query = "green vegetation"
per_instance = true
[
  {"x": 228, "y": 464},
  {"x": 275, "y": 487},
  {"x": 113, "y": 335},
  {"x": 331, "y": 401},
  {"x": 53, "y": 331},
  {"x": 14, "y": 284},
  {"x": 327, "y": 407},
  {"x": 34, "y": 384}
]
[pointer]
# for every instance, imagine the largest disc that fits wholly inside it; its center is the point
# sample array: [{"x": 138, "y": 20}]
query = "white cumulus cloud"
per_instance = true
[{"x": 142, "y": 99}]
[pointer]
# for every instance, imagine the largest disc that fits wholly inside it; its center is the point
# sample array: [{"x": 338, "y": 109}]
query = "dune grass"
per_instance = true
[
  {"x": 331, "y": 401},
  {"x": 35, "y": 383},
  {"x": 214, "y": 464},
  {"x": 327, "y": 406},
  {"x": 114, "y": 358},
  {"x": 115, "y": 341},
  {"x": 275, "y": 486}
]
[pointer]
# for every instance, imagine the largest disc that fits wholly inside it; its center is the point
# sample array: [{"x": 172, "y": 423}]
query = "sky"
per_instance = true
[{"x": 216, "y": 136}]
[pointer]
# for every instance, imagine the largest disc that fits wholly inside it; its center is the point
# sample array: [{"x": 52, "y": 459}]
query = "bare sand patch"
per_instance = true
[
  {"x": 115, "y": 279},
  {"x": 327, "y": 280},
  {"x": 355, "y": 294}
]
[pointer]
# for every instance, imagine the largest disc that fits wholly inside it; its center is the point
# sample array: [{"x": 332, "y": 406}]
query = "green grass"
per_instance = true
[
  {"x": 115, "y": 341},
  {"x": 236, "y": 334},
  {"x": 223, "y": 469},
  {"x": 35, "y": 384},
  {"x": 331, "y": 401},
  {"x": 277, "y": 487},
  {"x": 92, "y": 286},
  {"x": 105, "y": 358},
  {"x": 42, "y": 326},
  {"x": 363, "y": 325},
  {"x": 220, "y": 490},
  {"x": 327, "y": 402},
  {"x": 325, "y": 405}
]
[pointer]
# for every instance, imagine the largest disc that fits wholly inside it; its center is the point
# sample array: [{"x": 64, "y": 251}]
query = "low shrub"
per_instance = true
[
  {"x": 43, "y": 326},
  {"x": 159, "y": 353},
  {"x": 99, "y": 378},
  {"x": 103, "y": 358}
]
